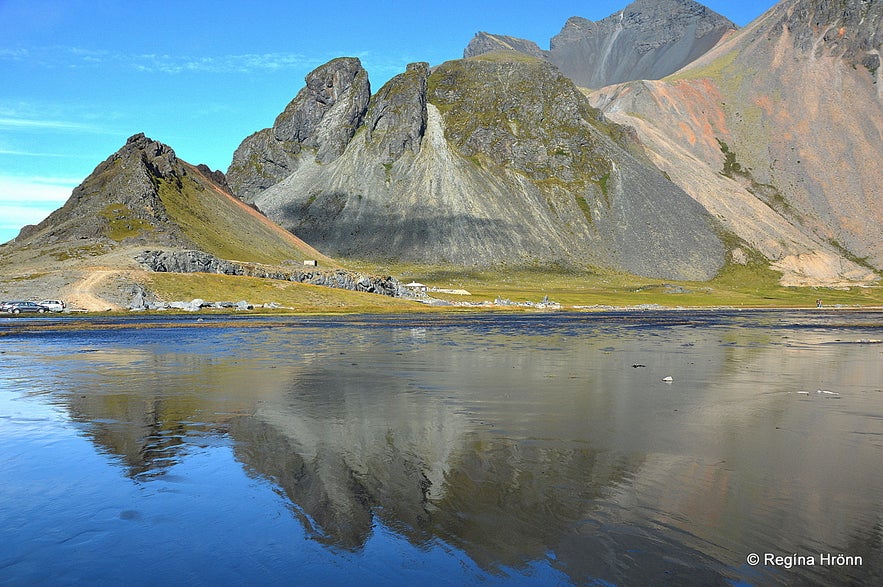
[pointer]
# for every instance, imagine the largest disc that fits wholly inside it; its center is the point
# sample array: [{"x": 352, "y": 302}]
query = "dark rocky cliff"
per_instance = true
[{"x": 320, "y": 121}]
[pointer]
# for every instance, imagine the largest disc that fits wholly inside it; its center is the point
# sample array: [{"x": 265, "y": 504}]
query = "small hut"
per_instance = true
[{"x": 417, "y": 288}]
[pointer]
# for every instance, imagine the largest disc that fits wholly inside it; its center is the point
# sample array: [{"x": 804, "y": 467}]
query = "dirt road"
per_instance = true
[{"x": 83, "y": 294}]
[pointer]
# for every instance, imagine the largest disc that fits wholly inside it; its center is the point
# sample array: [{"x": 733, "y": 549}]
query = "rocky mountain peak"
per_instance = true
[
  {"x": 396, "y": 119},
  {"x": 144, "y": 196},
  {"x": 648, "y": 39},
  {"x": 325, "y": 114},
  {"x": 160, "y": 159},
  {"x": 120, "y": 198},
  {"x": 788, "y": 121},
  {"x": 321, "y": 120}
]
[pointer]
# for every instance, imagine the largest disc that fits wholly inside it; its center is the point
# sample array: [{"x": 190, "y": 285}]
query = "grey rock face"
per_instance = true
[
  {"x": 649, "y": 39},
  {"x": 851, "y": 29},
  {"x": 318, "y": 123},
  {"x": 487, "y": 43},
  {"x": 396, "y": 119},
  {"x": 259, "y": 162},
  {"x": 325, "y": 114}
]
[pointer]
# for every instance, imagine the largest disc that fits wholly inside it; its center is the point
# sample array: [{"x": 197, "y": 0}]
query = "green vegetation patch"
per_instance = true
[
  {"x": 767, "y": 193},
  {"x": 122, "y": 223},
  {"x": 514, "y": 111},
  {"x": 717, "y": 69},
  {"x": 584, "y": 206},
  {"x": 221, "y": 226},
  {"x": 504, "y": 56},
  {"x": 93, "y": 250}
]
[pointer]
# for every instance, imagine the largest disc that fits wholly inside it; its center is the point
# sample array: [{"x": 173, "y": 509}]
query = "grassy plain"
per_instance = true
[{"x": 736, "y": 286}]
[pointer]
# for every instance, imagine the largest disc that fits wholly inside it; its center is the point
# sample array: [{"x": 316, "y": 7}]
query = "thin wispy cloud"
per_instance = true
[
  {"x": 55, "y": 125},
  {"x": 28, "y": 200},
  {"x": 14, "y": 153},
  {"x": 74, "y": 57},
  {"x": 247, "y": 63}
]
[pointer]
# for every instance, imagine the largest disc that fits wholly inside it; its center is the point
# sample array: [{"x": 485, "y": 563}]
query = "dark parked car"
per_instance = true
[{"x": 19, "y": 307}]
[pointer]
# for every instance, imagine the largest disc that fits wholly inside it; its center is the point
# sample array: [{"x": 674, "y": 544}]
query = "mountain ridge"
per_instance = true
[
  {"x": 557, "y": 184},
  {"x": 763, "y": 150}
]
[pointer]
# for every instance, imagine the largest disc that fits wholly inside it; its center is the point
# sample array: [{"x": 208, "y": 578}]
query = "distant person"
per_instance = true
[{"x": 819, "y": 303}]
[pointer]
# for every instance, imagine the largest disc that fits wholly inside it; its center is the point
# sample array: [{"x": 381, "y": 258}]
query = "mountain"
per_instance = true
[
  {"x": 649, "y": 39},
  {"x": 141, "y": 198},
  {"x": 778, "y": 131},
  {"x": 144, "y": 196},
  {"x": 443, "y": 167}
]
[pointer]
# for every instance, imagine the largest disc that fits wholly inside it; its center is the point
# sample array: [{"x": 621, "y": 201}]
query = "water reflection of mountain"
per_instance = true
[
  {"x": 517, "y": 448},
  {"x": 503, "y": 502}
]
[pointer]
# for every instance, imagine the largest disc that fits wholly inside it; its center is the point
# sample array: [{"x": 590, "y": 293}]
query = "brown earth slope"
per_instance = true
[{"x": 779, "y": 132}]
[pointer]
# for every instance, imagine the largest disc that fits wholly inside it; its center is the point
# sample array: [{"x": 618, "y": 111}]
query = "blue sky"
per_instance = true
[{"x": 78, "y": 77}]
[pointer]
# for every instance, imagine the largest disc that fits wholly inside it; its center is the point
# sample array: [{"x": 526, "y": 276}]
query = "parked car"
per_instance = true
[
  {"x": 19, "y": 307},
  {"x": 53, "y": 305}
]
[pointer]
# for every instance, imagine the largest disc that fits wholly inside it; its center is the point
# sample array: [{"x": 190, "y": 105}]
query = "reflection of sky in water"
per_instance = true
[{"x": 404, "y": 449}]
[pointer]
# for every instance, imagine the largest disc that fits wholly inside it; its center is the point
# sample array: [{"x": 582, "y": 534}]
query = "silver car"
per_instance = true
[{"x": 54, "y": 305}]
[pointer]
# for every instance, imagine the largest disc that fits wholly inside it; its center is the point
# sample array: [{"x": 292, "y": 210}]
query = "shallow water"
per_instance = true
[{"x": 445, "y": 450}]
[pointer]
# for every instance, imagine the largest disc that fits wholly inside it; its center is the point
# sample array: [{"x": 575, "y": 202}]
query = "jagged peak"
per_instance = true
[
  {"x": 326, "y": 112},
  {"x": 159, "y": 158}
]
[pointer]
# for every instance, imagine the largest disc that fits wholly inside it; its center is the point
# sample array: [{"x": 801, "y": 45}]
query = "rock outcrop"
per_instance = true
[
  {"x": 484, "y": 42},
  {"x": 450, "y": 168},
  {"x": 396, "y": 119},
  {"x": 317, "y": 124},
  {"x": 119, "y": 200},
  {"x": 145, "y": 196},
  {"x": 200, "y": 262}
]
